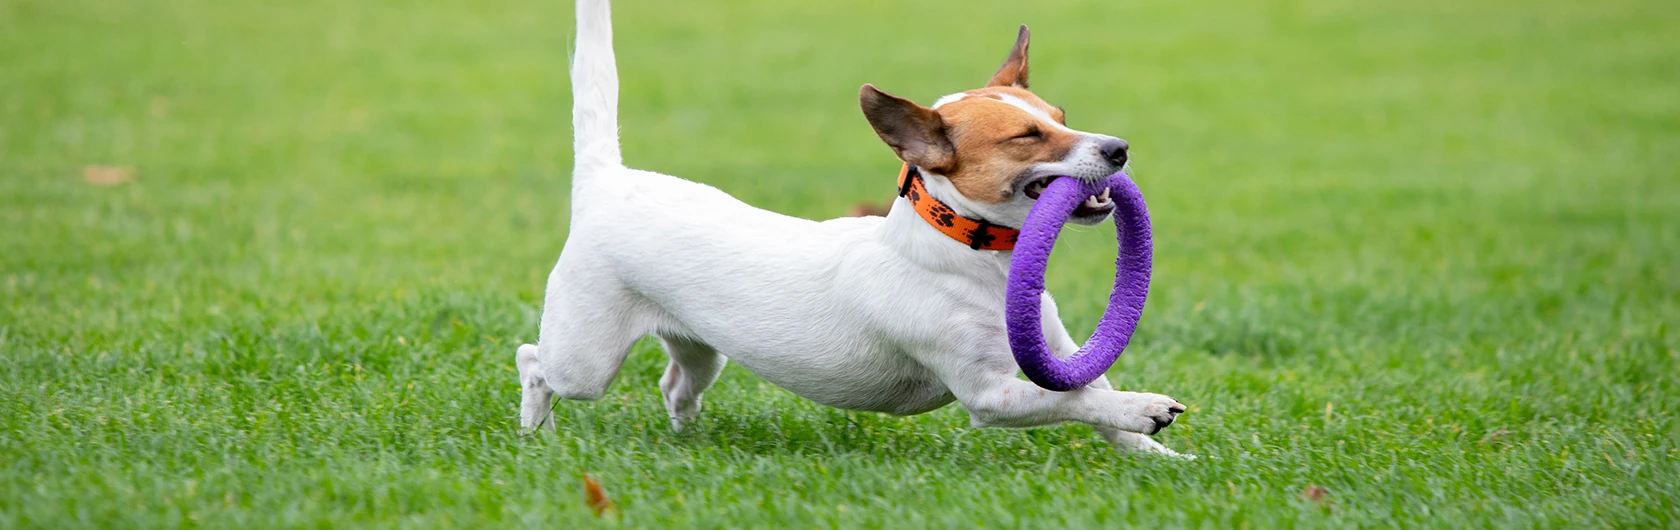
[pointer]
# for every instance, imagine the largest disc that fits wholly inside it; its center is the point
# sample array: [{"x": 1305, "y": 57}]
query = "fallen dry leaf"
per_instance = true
[
  {"x": 596, "y": 497},
  {"x": 107, "y": 175},
  {"x": 865, "y": 209},
  {"x": 1317, "y": 494},
  {"x": 1492, "y": 438}
]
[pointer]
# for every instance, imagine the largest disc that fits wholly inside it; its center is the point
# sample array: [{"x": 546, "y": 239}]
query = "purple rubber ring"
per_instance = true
[{"x": 1125, "y": 303}]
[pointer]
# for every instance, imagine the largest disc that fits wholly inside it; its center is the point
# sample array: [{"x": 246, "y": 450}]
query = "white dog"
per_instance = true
[{"x": 899, "y": 314}]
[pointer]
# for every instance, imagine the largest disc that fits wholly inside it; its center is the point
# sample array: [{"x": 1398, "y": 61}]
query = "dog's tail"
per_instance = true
[{"x": 594, "y": 92}]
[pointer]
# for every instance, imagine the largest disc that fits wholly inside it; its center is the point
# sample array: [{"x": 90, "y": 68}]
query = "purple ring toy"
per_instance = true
[{"x": 1125, "y": 302}]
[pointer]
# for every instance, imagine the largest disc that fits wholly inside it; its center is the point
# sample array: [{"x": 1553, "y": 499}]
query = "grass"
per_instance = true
[{"x": 1420, "y": 254}]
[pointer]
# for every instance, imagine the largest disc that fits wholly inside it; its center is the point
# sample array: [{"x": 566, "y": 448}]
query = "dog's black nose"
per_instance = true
[{"x": 1114, "y": 149}]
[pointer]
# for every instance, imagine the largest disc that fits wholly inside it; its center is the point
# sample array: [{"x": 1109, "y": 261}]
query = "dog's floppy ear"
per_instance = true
[
  {"x": 1014, "y": 70},
  {"x": 915, "y": 132}
]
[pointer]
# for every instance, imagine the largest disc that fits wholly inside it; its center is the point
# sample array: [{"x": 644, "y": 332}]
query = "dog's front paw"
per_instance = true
[{"x": 1149, "y": 413}]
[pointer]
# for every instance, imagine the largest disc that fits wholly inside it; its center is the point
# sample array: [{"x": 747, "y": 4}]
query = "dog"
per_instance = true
[{"x": 899, "y": 314}]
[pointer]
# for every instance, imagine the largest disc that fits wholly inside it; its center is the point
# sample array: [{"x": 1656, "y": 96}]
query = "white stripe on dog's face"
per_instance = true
[{"x": 1008, "y": 140}]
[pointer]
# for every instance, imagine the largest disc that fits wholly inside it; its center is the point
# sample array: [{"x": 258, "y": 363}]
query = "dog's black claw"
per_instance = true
[{"x": 1161, "y": 424}]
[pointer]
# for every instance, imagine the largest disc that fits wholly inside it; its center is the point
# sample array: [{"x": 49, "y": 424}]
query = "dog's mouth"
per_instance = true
[{"x": 1096, "y": 206}]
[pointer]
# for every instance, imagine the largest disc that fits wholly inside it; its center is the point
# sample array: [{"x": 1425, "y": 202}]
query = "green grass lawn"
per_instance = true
[{"x": 1424, "y": 255}]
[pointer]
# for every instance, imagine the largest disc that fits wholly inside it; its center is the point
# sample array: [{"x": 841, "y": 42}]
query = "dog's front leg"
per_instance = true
[
  {"x": 984, "y": 382},
  {"x": 1130, "y": 440},
  {"x": 995, "y": 398},
  {"x": 1062, "y": 346}
]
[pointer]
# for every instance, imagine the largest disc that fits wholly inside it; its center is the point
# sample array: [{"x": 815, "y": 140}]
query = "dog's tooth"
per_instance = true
[{"x": 1105, "y": 195}]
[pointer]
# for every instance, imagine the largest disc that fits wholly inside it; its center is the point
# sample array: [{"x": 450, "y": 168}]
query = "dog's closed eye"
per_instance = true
[{"x": 1032, "y": 134}]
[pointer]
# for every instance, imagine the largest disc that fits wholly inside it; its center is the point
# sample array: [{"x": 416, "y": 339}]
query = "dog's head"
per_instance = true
[{"x": 990, "y": 151}]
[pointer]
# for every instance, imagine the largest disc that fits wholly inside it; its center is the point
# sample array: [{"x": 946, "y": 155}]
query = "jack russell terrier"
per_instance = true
[{"x": 900, "y": 314}]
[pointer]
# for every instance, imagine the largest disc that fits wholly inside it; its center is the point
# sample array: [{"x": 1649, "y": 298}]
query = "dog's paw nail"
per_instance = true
[
  {"x": 1161, "y": 422},
  {"x": 1176, "y": 409}
]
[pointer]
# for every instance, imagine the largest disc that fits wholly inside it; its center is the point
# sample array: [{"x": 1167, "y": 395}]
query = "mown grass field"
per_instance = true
[{"x": 1423, "y": 255}]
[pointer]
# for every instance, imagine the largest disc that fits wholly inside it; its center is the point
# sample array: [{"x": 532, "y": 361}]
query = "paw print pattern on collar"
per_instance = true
[{"x": 978, "y": 234}]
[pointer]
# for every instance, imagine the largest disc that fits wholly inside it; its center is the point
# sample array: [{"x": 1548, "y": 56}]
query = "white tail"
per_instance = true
[{"x": 594, "y": 91}]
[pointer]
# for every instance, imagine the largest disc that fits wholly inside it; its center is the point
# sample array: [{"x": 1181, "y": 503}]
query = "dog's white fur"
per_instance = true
[{"x": 876, "y": 314}]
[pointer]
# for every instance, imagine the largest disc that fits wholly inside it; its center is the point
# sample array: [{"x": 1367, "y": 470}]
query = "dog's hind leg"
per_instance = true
[
  {"x": 694, "y": 367},
  {"x": 534, "y": 405},
  {"x": 588, "y": 327}
]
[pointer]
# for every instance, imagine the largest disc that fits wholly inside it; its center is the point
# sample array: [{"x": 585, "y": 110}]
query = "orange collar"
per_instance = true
[{"x": 978, "y": 234}]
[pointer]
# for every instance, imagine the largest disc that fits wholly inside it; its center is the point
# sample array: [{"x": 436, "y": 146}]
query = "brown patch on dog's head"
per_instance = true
[
  {"x": 981, "y": 142},
  {"x": 988, "y": 142},
  {"x": 996, "y": 141}
]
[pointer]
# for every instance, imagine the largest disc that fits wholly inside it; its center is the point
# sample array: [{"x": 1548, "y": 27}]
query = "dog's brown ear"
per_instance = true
[
  {"x": 915, "y": 132},
  {"x": 1014, "y": 70}
]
